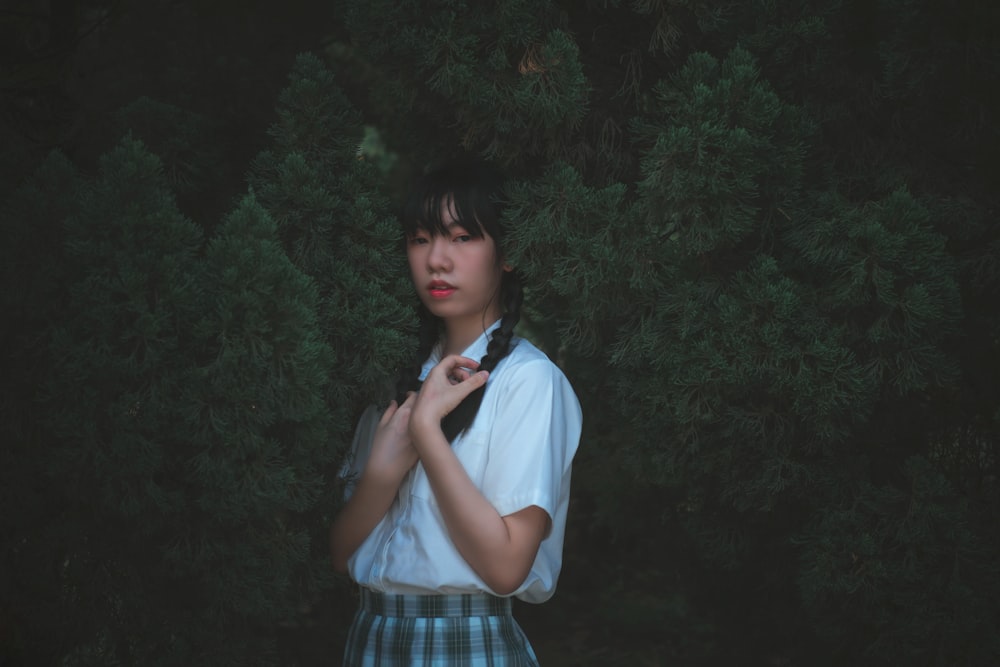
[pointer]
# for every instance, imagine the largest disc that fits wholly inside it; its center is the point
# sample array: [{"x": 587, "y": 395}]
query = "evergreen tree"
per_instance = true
[
  {"x": 177, "y": 435},
  {"x": 259, "y": 433},
  {"x": 340, "y": 229}
]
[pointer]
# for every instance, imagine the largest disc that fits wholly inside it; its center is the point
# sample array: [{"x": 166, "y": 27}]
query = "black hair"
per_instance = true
[{"x": 475, "y": 191}]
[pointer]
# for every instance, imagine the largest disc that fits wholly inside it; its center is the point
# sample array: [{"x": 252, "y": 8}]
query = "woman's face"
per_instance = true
[{"x": 457, "y": 276}]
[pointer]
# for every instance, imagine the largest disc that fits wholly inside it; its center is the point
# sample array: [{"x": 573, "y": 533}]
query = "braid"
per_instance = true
[
  {"x": 499, "y": 345},
  {"x": 459, "y": 419}
]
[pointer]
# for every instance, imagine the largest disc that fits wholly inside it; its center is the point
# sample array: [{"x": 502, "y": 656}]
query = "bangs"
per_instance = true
[{"x": 472, "y": 189}]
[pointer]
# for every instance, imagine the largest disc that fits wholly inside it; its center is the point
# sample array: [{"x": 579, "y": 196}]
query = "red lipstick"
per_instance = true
[{"x": 439, "y": 289}]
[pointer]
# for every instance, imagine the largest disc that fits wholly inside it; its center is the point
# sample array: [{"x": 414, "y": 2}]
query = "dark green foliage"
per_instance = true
[
  {"x": 742, "y": 256},
  {"x": 505, "y": 73},
  {"x": 718, "y": 148},
  {"x": 340, "y": 230},
  {"x": 883, "y": 271},
  {"x": 183, "y": 142},
  {"x": 183, "y": 438},
  {"x": 901, "y": 568}
]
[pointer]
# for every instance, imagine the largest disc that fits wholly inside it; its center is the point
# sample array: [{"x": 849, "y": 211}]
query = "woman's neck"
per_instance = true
[{"x": 459, "y": 335}]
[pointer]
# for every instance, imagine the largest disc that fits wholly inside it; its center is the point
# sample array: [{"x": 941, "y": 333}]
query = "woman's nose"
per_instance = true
[{"x": 437, "y": 257}]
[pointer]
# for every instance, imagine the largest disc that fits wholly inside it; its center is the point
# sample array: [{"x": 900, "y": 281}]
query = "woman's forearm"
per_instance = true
[
  {"x": 499, "y": 549},
  {"x": 370, "y": 501},
  {"x": 390, "y": 460}
]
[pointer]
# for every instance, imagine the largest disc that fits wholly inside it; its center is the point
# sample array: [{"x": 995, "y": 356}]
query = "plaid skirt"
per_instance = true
[{"x": 471, "y": 630}]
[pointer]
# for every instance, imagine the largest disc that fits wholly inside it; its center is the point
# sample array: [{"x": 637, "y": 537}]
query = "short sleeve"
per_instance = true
[
  {"x": 534, "y": 435},
  {"x": 361, "y": 447}
]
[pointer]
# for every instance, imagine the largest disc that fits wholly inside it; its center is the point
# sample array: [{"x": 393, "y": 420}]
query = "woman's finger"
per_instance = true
[
  {"x": 454, "y": 368},
  {"x": 387, "y": 415},
  {"x": 453, "y": 361},
  {"x": 460, "y": 374},
  {"x": 470, "y": 384}
]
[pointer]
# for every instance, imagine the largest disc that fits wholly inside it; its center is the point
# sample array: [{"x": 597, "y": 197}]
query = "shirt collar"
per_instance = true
[{"x": 477, "y": 350}]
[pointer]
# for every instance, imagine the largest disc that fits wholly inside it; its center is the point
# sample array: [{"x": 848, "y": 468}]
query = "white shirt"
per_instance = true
[{"x": 518, "y": 452}]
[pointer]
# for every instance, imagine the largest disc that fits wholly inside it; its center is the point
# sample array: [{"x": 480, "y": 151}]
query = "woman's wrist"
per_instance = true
[
  {"x": 424, "y": 428},
  {"x": 383, "y": 476}
]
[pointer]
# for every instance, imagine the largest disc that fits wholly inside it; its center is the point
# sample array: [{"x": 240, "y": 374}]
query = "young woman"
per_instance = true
[{"x": 458, "y": 492}]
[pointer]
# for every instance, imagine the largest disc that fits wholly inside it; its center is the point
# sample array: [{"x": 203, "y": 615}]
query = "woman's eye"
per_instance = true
[
  {"x": 463, "y": 238},
  {"x": 417, "y": 240}
]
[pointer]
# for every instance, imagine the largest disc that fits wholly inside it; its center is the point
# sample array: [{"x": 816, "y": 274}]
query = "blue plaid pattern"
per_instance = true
[{"x": 471, "y": 630}]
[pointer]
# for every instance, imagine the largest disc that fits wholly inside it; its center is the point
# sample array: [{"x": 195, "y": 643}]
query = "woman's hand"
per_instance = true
[
  {"x": 392, "y": 448},
  {"x": 447, "y": 385}
]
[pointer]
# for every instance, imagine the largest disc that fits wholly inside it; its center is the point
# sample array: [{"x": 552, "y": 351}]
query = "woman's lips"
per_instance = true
[{"x": 440, "y": 289}]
